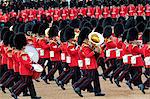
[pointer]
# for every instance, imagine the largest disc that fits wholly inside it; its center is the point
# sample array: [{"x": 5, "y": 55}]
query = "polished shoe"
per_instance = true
[
  {"x": 110, "y": 78},
  {"x": 103, "y": 77},
  {"x": 3, "y": 89},
  {"x": 37, "y": 80},
  {"x": 10, "y": 89},
  {"x": 35, "y": 97},
  {"x": 141, "y": 87},
  {"x": 99, "y": 94},
  {"x": 117, "y": 82},
  {"x": 14, "y": 96},
  {"x": 129, "y": 85},
  {"x": 61, "y": 85},
  {"x": 90, "y": 91},
  {"x": 45, "y": 80},
  {"x": 26, "y": 94},
  {"x": 51, "y": 79},
  {"x": 78, "y": 91},
  {"x": 57, "y": 82}
]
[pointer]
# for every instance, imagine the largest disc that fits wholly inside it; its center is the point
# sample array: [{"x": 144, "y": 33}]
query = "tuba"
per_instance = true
[{"x": 96, "y": 39}]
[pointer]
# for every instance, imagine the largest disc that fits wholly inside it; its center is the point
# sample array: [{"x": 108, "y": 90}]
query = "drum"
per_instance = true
[
  {"x": 38, "y": 68},
  {"x": 32, "y": 52}
]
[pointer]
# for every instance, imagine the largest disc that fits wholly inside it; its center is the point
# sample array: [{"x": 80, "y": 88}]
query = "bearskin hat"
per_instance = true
[
  {"x": 99, "y": 29},
  {"x": 6, "y": 37},
  {"x": 49, "y": 19},
  {"x": 42, "y": 29},
  {"x": 28, "y": 27},
  {"x": 11, "y": 40},
  {"x": 35, "y": 28},
  {"x": 75, "y": 23},
  {"x": 85, "y": 31},
  {"x": 146, "y": 36},
  {"x": 124, "y": 36},
  {"x": 139, "y": 19},
  {"x": 121, "y": 19},
  {"x": 118, "y": 29},
  {"x": 69, "y": 33},
  {"x": 130, "y": 23},
  {"x": 21, "y": 28},
  {"x": 141, "y": 27},
  {"x": 63, "y": 24},
  {"x": 132, "y": 34},
  {"x": 53, "y": 31},
  {"x": 88, "y": 24},
  {"x": 100, "y": 21},
  {"x": 107, "y": 21},
  {"x": 3, "y": 31},
  {"x": 20, "y": 41},
  {"x": 93, "y": 22},
  {"x": 107, "y": 32},
  {"x": 56, "y": 23},
  {"x": 82, "y": 23}
]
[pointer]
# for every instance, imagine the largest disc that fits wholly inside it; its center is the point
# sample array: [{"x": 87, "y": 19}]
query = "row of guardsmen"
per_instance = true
[
  {"x": 72, "y": 13},
  {"x": 64, "y": 46}
]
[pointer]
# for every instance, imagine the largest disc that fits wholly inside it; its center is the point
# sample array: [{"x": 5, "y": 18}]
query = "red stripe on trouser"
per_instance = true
[
  {"x": 5, "y": 76},
  {"x": 9, "y": 82}
]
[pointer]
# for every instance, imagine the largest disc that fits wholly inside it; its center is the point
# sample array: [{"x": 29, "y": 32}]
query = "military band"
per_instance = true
[{"x": 40, "y": 39}]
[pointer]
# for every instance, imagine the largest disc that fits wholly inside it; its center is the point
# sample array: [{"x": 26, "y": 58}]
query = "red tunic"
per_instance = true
[
  {"x": 9, "y": 59},
  {"x": 73, "y": 54},
  {"x": 55, "y": 50},
  {"x": 146, "y": 53},
  {"x": 90, "y": 60},
  {"x": 132, "y": 10},
  {"x": 123, "y": 10},
  {"x": 45, "y": 48},
  {"x": 25, "y": 65},
  {"x": 136, "y": 51},
  {"x": 64, "y": 53},
  {"x": 140, "y": 10},
  {"x": 110, "y": 49},
  {"x": 147, "y": 10},
  {"x": 106, "y": 12}
]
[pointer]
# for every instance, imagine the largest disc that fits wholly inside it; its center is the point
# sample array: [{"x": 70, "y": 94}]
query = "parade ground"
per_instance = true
[{"x": 52, "y": 91}]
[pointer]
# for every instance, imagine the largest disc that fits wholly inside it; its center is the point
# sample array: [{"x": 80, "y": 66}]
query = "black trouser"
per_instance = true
[
  {"x": 136, "y": 73},
  {"x": 81, "y": 80},
  {"x": 125, "y": 73},
  {"x": 26, "y": 82},
  {"x": 120, "y": 66},
  {"x": 111, "y": 68},
  {"x": 3, "y": 69},
  {"x": 42, "y": 61},
  {"x": 10, "y": 81},
  {"x": 92, "y": 75},
  {"x": 73, "y": 74},
  {"x": 101, "y": 63},
  {"x": 6, "y": 75},
  {"x": 57, "y": 66}
]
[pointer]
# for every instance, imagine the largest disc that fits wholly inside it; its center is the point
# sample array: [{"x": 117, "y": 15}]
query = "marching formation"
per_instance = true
[{"x": 75, "y": 42}]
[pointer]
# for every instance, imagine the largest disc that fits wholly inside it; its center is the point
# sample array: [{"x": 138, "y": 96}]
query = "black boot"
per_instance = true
[
  {"x": 110, "y": 78},
  {"x": 78, "y": 91},
  {"x": 129, "y": 85},
  {"x": 14, "y": 96},
  {"x": 117, "y": 82},
  {"x": 35, "y": 97},
  {"x": 61, "y": 85},
  {"x": 99, "y": 94},
  {"x": 45, "y": 80},
  {"x": 141, "y": 87}
]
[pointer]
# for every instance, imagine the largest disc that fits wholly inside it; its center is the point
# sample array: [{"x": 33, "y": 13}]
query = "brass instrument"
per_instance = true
[{"x": 96, "y": 39}]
